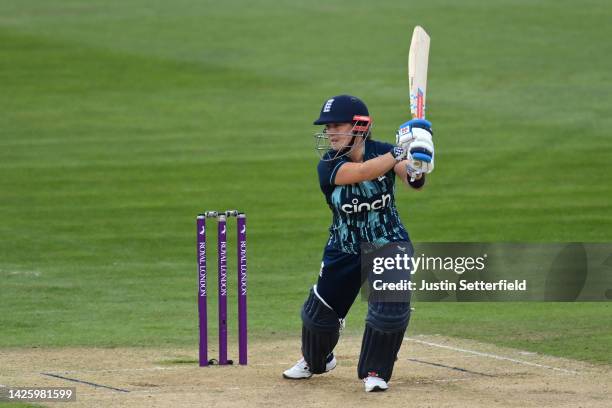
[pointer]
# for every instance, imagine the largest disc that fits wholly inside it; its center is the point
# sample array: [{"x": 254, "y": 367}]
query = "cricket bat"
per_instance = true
[{"x": 418, "y": 60}]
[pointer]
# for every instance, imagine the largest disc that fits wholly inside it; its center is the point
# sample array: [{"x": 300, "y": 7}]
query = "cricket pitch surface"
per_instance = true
[{"x": 432, "y": 371}]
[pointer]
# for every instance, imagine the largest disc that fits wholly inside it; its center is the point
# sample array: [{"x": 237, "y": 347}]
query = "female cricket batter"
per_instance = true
[{"x": 357, "y": 175}]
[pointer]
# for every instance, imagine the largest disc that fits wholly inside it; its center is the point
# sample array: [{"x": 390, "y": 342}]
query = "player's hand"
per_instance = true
[
  {"x": 422, "y": 151},
  {"x": 409, "y": 131},
  {"x": 416, "y": 136},
  {"x": 414, "y": 168}
]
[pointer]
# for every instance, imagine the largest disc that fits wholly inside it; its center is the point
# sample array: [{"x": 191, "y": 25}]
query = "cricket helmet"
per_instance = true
[{"x": 342, "y": 109}]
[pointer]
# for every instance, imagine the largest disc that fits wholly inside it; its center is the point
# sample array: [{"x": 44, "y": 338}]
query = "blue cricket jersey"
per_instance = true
[{"x": 363, "y": 212}]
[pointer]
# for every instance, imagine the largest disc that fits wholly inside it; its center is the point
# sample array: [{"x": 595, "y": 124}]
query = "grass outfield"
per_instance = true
[{"x": 119, "y": 121}]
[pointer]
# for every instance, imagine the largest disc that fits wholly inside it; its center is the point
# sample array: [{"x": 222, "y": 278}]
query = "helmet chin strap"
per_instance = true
[{"x": 349, "y": 146}]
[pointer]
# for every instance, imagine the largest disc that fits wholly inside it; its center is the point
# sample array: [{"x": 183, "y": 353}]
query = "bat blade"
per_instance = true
[{"x": 418, "y": 61}]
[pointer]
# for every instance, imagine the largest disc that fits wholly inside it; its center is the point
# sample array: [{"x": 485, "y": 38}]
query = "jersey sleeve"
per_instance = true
[
  {"x": 383, "y": 148},
  {"x": 328, "y": 170}
]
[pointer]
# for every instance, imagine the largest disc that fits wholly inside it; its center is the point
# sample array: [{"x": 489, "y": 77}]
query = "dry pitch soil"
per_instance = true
[{"x": 432, "y": 371}]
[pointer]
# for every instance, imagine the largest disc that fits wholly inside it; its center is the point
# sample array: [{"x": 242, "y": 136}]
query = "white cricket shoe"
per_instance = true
[
  {"x": 301, "y": 371},
  {"x": 374, "y": 384}
]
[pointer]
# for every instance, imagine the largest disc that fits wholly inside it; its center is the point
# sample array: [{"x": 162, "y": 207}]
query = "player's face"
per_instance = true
[{"x": 339, "y": 134}]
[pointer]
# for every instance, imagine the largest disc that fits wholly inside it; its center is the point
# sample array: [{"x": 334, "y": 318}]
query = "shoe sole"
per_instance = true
[
  {"x": 296, "y": 378},
  {"x": 377, "y": 389}
]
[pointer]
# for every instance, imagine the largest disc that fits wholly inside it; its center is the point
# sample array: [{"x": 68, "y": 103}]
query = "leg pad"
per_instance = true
[
  {"x": 386, "y": 324},
  {"x": 320, "y": 332}
]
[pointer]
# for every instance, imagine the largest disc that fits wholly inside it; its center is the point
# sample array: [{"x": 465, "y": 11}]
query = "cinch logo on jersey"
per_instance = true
[
  {"x": 356, "y": 206},
  {"x": 328, "y": 105}
]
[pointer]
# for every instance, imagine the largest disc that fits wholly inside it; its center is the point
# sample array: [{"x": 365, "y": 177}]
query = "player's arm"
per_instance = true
[{"x": 351, "y": 173}]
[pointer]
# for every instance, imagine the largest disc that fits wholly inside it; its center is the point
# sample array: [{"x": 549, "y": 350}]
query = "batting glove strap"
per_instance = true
[{"x": 399, "y": 153}]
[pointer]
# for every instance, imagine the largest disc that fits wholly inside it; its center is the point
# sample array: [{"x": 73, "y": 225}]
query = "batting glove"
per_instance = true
[
  {"x": 399, "y": 153},
  {"x": 414, "y": 168},
  {"x": 408, "y": 131},
  {"x": 416, "y": 136}
]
